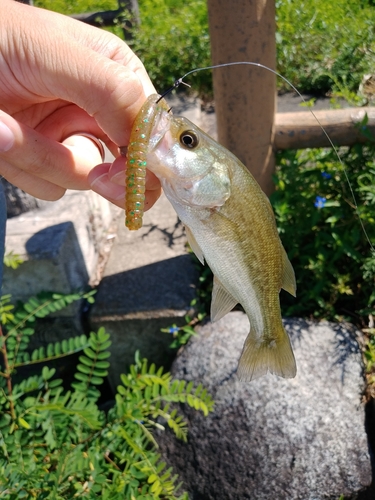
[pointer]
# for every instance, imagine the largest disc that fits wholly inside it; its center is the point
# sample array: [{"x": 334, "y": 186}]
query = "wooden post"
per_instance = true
[{"x": 245, "y": 96}]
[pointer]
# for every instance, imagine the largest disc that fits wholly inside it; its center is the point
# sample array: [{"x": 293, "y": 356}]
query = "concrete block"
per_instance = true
[
  {"x": 148, "y": 283},
  {"x": 59, "y": 244}
]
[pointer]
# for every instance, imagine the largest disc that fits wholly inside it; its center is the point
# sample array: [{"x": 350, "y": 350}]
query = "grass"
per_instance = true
[{"x": 321, "y": 46}]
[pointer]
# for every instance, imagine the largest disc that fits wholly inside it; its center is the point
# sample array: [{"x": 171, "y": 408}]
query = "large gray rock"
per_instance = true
[{"x": 272, "y": 438}]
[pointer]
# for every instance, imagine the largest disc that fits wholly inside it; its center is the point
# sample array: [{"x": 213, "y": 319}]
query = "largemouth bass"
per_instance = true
[{"x": 229, "y": 224}]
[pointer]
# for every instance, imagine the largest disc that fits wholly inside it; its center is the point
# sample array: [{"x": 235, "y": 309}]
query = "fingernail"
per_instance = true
[
  {"x": 6, "y": 138},
  {"x": 103, "y": 186},
  {"x": 119, "y": 178}
]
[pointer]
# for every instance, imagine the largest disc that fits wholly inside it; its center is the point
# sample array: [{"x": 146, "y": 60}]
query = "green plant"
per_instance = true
[
  {"x": 173, "y": 39},
  {"x": 315, "y": 62},
  {"x": 77, "y": 6},
  {"x": 56, "y": 443},
  {"x": 322, "y": 232},
  {"x": 12, "y": 260},
  {"x": 182, "y": 334},
  {"x": 369, "y": 356}
]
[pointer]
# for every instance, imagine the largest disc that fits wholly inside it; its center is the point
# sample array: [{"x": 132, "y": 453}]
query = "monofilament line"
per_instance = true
[{"x": 215, "y": 66}]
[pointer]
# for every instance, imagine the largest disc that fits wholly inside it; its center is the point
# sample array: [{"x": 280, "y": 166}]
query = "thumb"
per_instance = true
[
  {"x": 107, "y": 91},
  {"x": 77, "y": 63}
]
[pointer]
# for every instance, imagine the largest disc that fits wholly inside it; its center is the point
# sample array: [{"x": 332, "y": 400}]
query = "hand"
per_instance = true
[{"x": 60, "y": 77}]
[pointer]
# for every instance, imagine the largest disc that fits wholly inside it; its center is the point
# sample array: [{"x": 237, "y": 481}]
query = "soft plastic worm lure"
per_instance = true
[{"x": 137, "y": 161}]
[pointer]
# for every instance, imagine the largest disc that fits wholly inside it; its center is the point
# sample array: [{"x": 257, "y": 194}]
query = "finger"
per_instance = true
[
  {"x": 69, "y": 120},
  {"x": 100, "y": 179},
  {"x": 69, "y": 61},
  {"x": 38, "y": 188},
  {"x": 100, "y": 183},
  {"x": 117, "y": 174},
  {"x": 30, "y": 152},
  {"x": 86, "y": 149}
]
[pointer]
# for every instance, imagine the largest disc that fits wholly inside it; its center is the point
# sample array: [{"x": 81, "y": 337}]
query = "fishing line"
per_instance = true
[{"x": 180, "y": 81}]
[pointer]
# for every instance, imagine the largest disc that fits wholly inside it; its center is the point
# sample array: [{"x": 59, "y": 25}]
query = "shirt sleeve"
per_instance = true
[{"x": 3, "y": 218}]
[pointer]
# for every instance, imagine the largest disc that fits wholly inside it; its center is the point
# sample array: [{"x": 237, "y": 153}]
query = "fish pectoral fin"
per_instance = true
[
  {"x": 222, "y": 301},
  {"x": 194, "y": 245},
  {"x": 288, "y": 278},
  {"x": 267, "y": 354}
]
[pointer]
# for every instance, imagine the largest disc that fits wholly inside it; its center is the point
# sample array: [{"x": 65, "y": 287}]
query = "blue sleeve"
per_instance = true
[{"x": 3, "y": 218}]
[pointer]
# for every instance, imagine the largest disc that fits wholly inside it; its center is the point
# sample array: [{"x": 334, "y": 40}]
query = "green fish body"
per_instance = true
[{"x": 230, "y": 224}]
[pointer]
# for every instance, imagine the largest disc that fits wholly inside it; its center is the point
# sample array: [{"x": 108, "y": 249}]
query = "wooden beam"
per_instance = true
[
  {"x": 244, "y": 30},
  {"x": 301, "y": 130}
]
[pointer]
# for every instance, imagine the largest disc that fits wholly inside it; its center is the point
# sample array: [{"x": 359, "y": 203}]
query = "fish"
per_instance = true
[{"x": 231, "y": 226}]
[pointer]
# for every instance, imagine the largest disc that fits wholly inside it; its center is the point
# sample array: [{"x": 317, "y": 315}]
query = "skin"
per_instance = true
[{"x": 54, "y": 83}]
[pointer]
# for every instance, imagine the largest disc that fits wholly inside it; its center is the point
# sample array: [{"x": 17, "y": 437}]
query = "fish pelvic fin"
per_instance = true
[
  {"x": 288, "y": 277},
  {"x": 263, "y": 355},
  {"x": 194, "y": 245},
  {"x": 222, "y": 301}
]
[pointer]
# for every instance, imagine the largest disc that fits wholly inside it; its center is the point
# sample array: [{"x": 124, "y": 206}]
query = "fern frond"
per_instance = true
[
  {"x": 12, "y": 260},
  {"x": 54, "y": 351},
  {"x": 6, "y": 308},
  {"x": 76, "y": 405},
  {"x": 93, "y": 365},
  {"x": 42, "y": 305}
]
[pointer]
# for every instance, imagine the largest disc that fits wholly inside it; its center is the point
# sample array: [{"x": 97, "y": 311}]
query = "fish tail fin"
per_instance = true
[{"x": 260, "y": 356}]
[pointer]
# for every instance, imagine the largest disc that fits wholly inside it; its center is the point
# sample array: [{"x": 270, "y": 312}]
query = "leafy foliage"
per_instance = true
[
  {"x": 322, "y": 232},
  {"x": 56, "y": 443},
  {"x": 77, "y": 6},
  {"x": 314, "y": 61},
  {"x": 173, "y": 38},
  {"x": 183, "y": 333},
  {"x": 12, "y": 260},
  {"x": 180, "y": 42}
]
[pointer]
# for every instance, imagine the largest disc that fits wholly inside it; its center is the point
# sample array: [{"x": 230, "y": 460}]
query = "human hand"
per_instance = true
[{"x": 58, "y": 78}]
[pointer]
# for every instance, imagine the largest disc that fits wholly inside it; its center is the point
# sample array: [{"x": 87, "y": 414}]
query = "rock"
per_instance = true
[
  {"x": 272, "y": 438},
  {"x": 17, "y": 201}
]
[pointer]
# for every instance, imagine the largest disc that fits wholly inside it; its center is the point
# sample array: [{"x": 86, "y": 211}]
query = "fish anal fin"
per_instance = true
[
  {"x": 261, "y": 355},
  {"x": 222, "y": 301},
  {"x": 288, "y": 278},
  {"x": 194, "y": 245}
]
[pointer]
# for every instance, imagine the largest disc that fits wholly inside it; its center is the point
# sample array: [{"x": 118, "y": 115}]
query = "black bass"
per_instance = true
[{"x": 229, "y": 223}]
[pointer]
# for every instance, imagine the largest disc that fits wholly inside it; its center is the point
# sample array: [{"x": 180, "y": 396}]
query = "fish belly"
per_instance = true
[{"x": 251, "y": 278}]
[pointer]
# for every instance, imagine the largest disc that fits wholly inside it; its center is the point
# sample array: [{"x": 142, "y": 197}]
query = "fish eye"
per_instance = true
[{"x": 189, "y": 139}]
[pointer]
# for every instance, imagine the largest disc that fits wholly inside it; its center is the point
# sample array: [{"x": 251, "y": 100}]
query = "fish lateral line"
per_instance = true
[{"x": 180, "y": 81}]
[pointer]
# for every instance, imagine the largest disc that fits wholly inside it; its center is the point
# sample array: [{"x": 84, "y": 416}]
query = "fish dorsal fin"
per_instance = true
[
  {"x": 194, "y": 245},
  {"x": 222, "y": 301},
  {"x": 288, "y": 279}
]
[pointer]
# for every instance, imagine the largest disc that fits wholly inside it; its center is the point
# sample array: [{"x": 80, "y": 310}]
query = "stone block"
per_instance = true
[
  {"x": 59, "y": 244},
  {"x": 148, "y": 283}
]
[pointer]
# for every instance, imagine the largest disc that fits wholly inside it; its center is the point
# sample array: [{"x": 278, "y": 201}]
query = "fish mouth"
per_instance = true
[{"x": 159, "y": 129}]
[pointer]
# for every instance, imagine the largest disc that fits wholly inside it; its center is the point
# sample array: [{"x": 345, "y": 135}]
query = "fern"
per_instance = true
[
  {"x": 93, "y": 364},
  {"x": 20, "y": 324},
  {"x": 57, "y": 444},
  {"x": 12, "y": 260}
]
